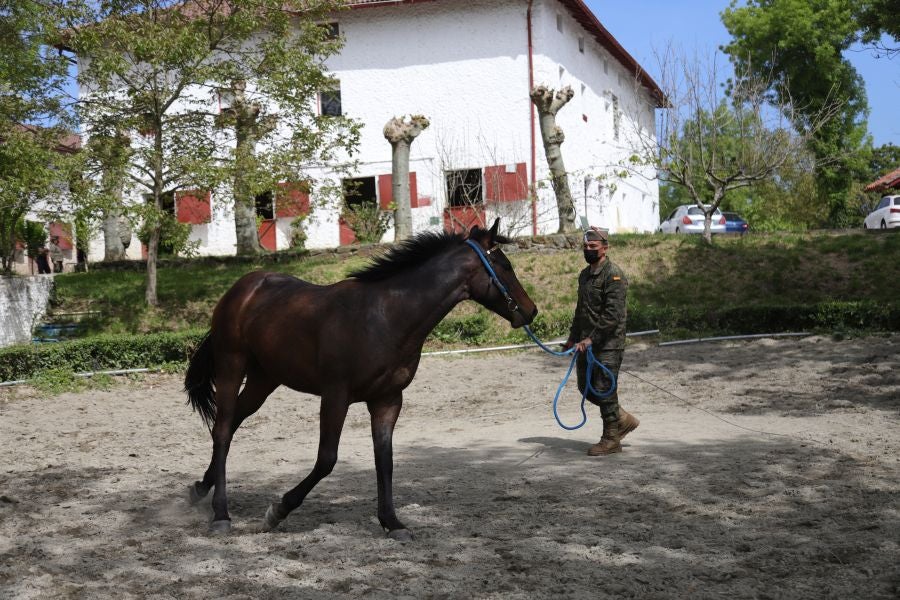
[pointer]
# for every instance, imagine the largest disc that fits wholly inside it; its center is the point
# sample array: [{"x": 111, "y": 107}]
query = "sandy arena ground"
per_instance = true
[{"x": 503, "y": 503}]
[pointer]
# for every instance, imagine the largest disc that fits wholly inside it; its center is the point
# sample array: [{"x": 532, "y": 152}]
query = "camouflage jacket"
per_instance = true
[{"x": 600, "y": 313}]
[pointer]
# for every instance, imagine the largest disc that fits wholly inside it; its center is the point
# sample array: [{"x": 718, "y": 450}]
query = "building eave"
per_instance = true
[
  {"x": 587, "y": 19},
  {"x": 886, "y": 182}
]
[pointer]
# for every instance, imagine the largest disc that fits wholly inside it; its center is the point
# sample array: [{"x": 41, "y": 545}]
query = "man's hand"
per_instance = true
[
  {"x": 584, "y": 344},
  {"x": 569, "y": 343}
]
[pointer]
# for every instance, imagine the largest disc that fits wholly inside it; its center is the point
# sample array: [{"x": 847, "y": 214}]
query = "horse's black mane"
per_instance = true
[{"x": 408, "y": 253}]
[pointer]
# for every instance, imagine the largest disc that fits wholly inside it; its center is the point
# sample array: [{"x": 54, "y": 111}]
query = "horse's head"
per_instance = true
[{"x": 494, "y": 283}]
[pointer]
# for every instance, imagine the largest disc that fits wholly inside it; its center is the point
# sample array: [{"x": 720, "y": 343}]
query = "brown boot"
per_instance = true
[
  {"x": 627, "y": 423},
  {"x": 609, "y": 442}
]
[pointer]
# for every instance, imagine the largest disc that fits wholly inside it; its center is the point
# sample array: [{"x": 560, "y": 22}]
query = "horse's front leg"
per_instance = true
[
  {"x": 331, "y": 421},
  {"x": 384, "y": 416}
]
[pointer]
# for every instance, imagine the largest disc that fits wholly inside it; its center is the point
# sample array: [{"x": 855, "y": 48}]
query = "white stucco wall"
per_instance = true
[
  {"x": 590, "y": 149},
  {"x": 464, "y": 65}
]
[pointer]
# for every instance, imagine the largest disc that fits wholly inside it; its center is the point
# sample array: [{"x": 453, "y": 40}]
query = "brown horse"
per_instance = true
[{"x": 358, "y": 340}]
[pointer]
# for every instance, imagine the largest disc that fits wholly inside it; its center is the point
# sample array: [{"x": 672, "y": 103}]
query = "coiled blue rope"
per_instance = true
[{"x": 591, "y": 362}]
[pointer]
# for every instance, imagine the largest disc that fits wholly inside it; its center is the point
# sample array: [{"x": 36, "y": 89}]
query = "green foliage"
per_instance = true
[
  {"x": 161, "y": 71},
  {"x": 33, "y": 234},
  {"x": 878, "y": 18},
  {"x": 174, "y": 237},
  {"x": 298, "y": 232},
  {"x": 760, "y": 283},
  {"x": 31, "y": 78},
  {"x": 367, "y": 221},
  {"x": 739, "y": 320},
  {"x": 56, "y": 362},
  {"x": 470, "y": 329},
  {"x": 801, "y": 44},
  {"x": 553, "y": 323}
]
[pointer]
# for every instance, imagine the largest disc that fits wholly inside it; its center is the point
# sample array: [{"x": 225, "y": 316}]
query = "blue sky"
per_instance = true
[{"x": 642, "y": 25}]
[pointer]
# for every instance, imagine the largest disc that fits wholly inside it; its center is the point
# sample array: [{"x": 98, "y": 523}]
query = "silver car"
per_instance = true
[
  {"x": 885, "y": 215},
  {"x": 688, "y": 218}
]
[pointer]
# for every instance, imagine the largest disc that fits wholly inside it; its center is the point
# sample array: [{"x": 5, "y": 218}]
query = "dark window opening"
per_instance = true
[
  {"x": 166, "y": 244},
  {"x": 167, "y": 200},
  {"x": 464, "y": 187},
  {"x": 264, "y": 205},
  {"x": 359, "y": 190},
  {"x": 330, "y": 103},
  {"x": 332, "y": 30}
]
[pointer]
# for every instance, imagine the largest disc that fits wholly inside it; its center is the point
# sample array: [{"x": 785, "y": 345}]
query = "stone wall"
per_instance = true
[{"x": 23, "y": 302}]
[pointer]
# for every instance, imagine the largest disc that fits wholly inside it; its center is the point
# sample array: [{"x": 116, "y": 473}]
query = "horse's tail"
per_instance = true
[{"x": 199, "y": 381}]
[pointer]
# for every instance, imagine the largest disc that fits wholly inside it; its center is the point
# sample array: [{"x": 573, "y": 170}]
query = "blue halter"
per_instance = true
[{"x": 591, "y": 360}]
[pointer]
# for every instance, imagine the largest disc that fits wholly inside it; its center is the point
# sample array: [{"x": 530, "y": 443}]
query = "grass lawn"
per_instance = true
[{"x": 663, "y": 271}]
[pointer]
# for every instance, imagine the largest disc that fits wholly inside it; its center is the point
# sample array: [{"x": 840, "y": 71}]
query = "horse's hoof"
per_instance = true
[
  {"x": 270, "y": 523},
  {"x": 221, "y": 526},
  {"x": 193, "y": 495},
  {"x": 401, "y": 535}
]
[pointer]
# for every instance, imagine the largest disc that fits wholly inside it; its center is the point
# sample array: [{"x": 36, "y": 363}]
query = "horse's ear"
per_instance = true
[{"x": 494, "y": 229}]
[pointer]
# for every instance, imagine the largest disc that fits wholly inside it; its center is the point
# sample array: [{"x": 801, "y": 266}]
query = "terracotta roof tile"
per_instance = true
[{"x": 886, "y": 182}]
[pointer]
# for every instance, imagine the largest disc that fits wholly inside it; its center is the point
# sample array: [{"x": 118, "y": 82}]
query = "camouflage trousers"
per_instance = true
[{"x": 612, "y": 360}]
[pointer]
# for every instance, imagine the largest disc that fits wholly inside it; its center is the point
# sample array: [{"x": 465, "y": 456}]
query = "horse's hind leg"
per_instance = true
[
  {"x": 331, "y": 421},
  {"x": 251, "y": 398},
  {"x": 384, "y": 416},
  {"x": 230, "y": 412}
]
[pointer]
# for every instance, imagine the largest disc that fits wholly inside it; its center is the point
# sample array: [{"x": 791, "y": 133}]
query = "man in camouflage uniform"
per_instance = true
[{"x": 599, "y": 324}]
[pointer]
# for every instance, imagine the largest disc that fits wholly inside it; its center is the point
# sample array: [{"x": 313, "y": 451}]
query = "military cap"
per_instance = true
[{"x": 595, "y": 234}]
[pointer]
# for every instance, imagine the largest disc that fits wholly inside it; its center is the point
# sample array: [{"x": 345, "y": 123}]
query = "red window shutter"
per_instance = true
[
  {"x": 502, "y": 186},
  {"x": 192, "y": 206},
  {"x": 64, "y": 232},
  {"x": 459, "y": 219},
  {"x": 386, "y": 191},
  {"x": 266, "y": 234},
  {"x": 413, "y": 191},
  {"x": 347, "y": 235},
  {"x": 292, "y": 199}
]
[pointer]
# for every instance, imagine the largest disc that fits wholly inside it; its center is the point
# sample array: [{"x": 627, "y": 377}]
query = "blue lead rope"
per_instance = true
[{"x": 591, "y": 362}]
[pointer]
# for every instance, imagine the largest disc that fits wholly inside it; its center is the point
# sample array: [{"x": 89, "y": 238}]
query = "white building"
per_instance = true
[{"x": 469, "y": 65}]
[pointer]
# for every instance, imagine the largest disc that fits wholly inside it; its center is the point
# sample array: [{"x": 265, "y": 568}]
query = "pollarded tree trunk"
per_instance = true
[
  {"x": 112, "y": 152},
  {"x": 401, "y": 132},
  {"x": 244, "y": 115},
  {"x": 548, "y": 104},
  {"x": 113, "y": 248}
]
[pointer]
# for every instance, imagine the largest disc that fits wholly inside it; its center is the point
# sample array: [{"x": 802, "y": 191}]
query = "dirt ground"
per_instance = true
[{"x": 781, "y": 482}]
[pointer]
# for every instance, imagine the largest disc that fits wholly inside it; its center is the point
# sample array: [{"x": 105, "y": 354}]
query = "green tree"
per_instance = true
[
  {"x": 881, "y": 160},
  {"x": 271, "y": 111},
  {"x": 878, "y": 19},
  {"x": 32, "y": 118},
  {"x": 799, "y": 45},
  {"x": 156, "y": 69},
  {"x": 716, "y": 143}
]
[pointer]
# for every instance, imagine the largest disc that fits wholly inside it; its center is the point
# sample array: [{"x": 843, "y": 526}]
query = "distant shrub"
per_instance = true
[{"x": 106, "y": 352}]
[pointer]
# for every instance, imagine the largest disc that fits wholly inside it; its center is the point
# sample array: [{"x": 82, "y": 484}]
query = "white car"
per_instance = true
[
  {"x": 885, "y": 215},
  {"x": 688, "y": 218}
]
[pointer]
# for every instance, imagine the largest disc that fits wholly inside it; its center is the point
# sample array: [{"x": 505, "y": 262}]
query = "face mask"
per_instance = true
[{"x": 591, "y": 256}]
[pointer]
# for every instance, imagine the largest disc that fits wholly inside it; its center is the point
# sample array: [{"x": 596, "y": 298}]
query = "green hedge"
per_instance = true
[
  {"x": 100, "y": 353},
  {"x": 108, "y": 352},
  {"x": 823, "y": 316}
]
